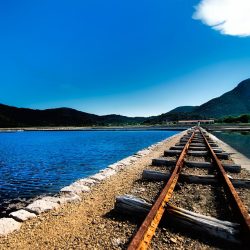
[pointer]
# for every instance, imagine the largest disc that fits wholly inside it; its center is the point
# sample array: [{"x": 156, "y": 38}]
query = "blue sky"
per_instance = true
[{"x": 133, "y": 58}]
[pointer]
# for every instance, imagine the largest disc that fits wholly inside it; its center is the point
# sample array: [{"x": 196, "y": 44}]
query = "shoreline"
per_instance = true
[
  {"x": 57, "y": 227},
  {"x": 216, "y": 127},
  {"x": 72, "y": 192},
  {"x": 119, "y": 128},
  {"x": 85, "y": 182}
]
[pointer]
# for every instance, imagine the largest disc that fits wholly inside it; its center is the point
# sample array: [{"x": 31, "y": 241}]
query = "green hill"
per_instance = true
[
  {"x": 182, "y": 109},
  {"x": 232, "y": 103}
]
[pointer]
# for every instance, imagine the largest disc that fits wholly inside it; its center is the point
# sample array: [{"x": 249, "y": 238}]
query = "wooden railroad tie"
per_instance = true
[
  {"x": 222, "y": 155},
  {"x": 233, "y": 168},
  {"x": 181, "y": 218},
  {"x": 152, "y": 175}
]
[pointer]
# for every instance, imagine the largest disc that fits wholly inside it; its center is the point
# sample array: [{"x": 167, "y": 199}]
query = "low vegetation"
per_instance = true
[{"x": 235, "y": 119}]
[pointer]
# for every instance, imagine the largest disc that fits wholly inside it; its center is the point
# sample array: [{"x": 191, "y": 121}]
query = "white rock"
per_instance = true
[
  {"x": 67, "y": 189},
  {"x": 86, "y": 182},
  {"x": 98, "y": 177},
  {"x": 51, "y": 199},
  {"x": 108, "y": 172},
  {"x": 40, "y": 206},
  {"x": 125, "y": 161},
  {"x": 22, "y": 215},
  {"x": 143, "y": 152},
  {"x": 69, "y": 198},
  {"x": 113, "y": 166},
  {"x": 8, "y": 225},
  {"x": 75, "y": 188},
  {"x": 116, "y": 166},
  {"x": 81, "y": 187},
  {"x": 132, "y": 159}
]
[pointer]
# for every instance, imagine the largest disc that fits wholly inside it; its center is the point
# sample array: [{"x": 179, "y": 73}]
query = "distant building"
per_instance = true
[{"x": 195, "y": 122}]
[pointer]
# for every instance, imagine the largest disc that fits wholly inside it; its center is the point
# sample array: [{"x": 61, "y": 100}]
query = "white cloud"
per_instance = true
[{"x": 230, "y": 17}]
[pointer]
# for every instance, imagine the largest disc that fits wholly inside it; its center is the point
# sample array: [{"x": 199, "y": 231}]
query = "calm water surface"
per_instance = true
[
  {"x": 238, "y": 140},
  {"x": 34, "y": 163}
]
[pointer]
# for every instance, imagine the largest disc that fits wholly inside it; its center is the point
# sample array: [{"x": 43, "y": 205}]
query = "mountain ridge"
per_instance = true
[
  {"x": 234, "y": 102},
  {"x": 12, "y": 116}
]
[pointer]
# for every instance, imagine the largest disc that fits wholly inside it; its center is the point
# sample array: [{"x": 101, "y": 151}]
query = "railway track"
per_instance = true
[{"x": 194, "y": 144}]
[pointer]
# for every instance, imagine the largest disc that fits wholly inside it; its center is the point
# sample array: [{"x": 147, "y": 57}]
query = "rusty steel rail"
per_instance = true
[
  {"x": 142, "y": 238},
  {"x": 237, "y": 204}
]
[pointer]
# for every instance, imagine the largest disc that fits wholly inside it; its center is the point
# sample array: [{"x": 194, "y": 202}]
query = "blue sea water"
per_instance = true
[{"x": 35, "y": 163}]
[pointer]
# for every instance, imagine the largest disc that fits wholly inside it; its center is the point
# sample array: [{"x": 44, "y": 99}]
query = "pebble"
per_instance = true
[{"x": 173, "y": 240}]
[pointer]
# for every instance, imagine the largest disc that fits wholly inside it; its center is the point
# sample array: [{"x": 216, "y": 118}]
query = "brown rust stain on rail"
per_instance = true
[
  {"x": 236, "y": 202},
  {"x": 142, "y": 238}
]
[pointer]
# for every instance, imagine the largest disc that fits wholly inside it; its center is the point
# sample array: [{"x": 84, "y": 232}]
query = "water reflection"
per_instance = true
[{"x": 239, "y": 140}]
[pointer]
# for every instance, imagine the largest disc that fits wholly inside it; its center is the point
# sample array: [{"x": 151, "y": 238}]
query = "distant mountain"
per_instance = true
[
  {"x": 22, "y": 117},
  {"x": 234, "y": 103},
  {"x": 182, "y": 109},
  {"x": 179, "y": 113}
]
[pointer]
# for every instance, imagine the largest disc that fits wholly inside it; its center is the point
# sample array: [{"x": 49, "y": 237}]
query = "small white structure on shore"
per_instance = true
[{"x": 195, "y": 122}]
